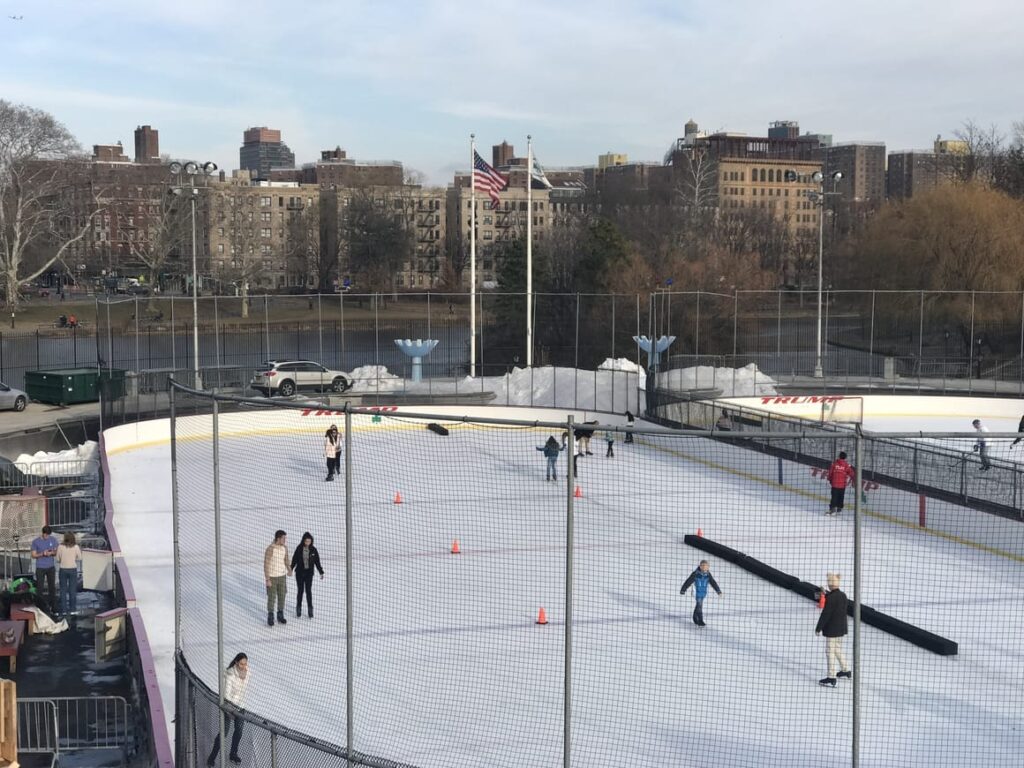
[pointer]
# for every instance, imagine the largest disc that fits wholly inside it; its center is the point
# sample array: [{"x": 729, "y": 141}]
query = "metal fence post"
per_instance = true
[
  {"x": 219, "y": 580},
  {"x": 216, "y": 329},
  {"x": 871, "y": 341},
  {"x": 735, "y": 333},
  {"x": 857, "y": 669},
  {"x": 696, "y": 326},
  {"x": 174, "y": 344},
  {"x": 570, "y": 474},
  {"x": 266, "y": 322},
  {"x": 920, "y": 342},
  {"x": 970, "y": 350},
  {"x": 273, "y": 750},
  {"x": 349, "y": 719},
  {"x": 576, "y": 359}
]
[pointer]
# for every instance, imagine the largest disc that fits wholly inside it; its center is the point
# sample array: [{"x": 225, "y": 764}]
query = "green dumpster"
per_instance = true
[{"x": 70, "y": 385}]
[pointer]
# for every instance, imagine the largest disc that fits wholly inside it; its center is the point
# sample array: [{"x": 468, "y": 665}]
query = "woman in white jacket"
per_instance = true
[
  {"x": 236, "y": 678},
  {"x": 332, "y": 450}
]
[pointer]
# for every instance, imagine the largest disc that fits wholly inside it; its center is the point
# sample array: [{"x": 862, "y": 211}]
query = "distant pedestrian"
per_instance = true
[
  {"x": 609, "y": 438},
  {"x": 700, "y": 579},
  {"x": 44, "y": 548},
  {"x": 551, "y": 449},
  {"x": 275, "y": 573},
  {"x": 236, "y": 678},
  {"x": 332, "y": 452},
  {"x": 69, "y": 555},
  {"x": 724, "y": 423},
  {"x": 304, "y": 561},
  {"x": 981, "y": 447},
  {"x": 630, "y": 418},
  {"x": 1020, "y": 428},
  {"x": 832, "y": 624},
  {"x": 839, "y": 475}
]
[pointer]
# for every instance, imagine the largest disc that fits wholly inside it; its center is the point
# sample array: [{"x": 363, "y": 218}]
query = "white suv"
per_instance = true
[{"x": 286, "y": 377}]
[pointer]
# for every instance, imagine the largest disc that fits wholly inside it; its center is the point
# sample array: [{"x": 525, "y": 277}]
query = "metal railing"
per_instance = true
[{"x": 69, "y": 723}]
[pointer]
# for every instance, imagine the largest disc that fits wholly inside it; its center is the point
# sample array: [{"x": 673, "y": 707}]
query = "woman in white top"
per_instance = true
[
  {"x": 332, "y": 449},
  {"x": 69, "y": 555},
  {"x": 236, "y": 678}
]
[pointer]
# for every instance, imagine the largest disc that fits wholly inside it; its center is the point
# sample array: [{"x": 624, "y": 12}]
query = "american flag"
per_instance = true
[{"x": 486, "y": 179}]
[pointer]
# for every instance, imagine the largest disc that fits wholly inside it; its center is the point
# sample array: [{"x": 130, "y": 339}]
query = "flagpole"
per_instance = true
[
  {"x": 472, "y": 255},
  {"x": 529, "y": 251}
]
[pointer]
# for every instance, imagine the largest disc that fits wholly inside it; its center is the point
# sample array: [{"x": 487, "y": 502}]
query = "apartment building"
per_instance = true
[
  {"x": 863, "y": 167},
  {"x": 263, "y": 150},
  {"x": 421, "y": 210},
  {"x": 263, "y": 234}
]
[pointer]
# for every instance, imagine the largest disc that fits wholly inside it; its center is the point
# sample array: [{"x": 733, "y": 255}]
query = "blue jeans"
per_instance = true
[
  {"x": 552, "y": 463},
  {"x": 68, "y": 589},
  {"x": 698, "y": 611}
]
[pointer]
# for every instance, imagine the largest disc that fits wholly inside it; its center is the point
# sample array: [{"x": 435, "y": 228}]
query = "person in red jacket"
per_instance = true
[{"x": 840, "y": 475}]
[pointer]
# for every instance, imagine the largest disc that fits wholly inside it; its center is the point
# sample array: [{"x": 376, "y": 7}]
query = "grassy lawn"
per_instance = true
[{"x": 41, "y": 313}]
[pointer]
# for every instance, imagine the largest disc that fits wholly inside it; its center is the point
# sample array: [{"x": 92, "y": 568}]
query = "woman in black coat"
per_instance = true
[{"x": 305, "y": 559}]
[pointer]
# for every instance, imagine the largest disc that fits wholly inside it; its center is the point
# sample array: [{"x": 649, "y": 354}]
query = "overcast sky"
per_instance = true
[{"x": 410, "y": 80}]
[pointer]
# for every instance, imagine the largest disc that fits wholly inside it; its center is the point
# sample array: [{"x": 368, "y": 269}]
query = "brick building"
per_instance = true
[
  {"x": 863, "y": 167},
  {"x": 262, "y": 150},
  {"x": 336, "y": 169}
]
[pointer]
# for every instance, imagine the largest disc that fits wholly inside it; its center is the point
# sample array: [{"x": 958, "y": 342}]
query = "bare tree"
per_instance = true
[
  {"x": 245, "y": 262},
  {"x": 41, "y": 217},
  {"x": 379, "y": 238},
  {"x": 165, "y": 230},
  {"x": 303, "y": 248},
  {"x": 695, "y": 179}
]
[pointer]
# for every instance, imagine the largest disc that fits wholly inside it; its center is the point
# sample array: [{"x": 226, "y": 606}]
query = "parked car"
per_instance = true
[
  {"x": 286, "y": 377},
  {"x": 12, "y": 399}
]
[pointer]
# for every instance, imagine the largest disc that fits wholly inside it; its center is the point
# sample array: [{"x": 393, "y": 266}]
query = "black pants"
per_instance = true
[
  {"x": 838, "y": 496},
  {"x": 334, "y": 466},
  {"x": 629, "y": 437},
  {"x": 47, "y": 577},
  {"x": 611, "y": 452},
  {"x": 698, "y": 611},
  {"x": 236, "y": 738},
  {"x": 304, "y": 583}
]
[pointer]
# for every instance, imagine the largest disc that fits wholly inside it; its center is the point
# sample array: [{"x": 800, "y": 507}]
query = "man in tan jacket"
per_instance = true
[{"x": 276, "y": 571}]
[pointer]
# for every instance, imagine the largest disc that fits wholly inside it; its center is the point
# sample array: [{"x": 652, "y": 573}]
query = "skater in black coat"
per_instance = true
[
  {"x": 832, "y": 624},
  {"x": 305, "y": 559}
]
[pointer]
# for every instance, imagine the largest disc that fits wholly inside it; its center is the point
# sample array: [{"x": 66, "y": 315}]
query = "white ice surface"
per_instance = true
[{"x": 450, "y": 668}]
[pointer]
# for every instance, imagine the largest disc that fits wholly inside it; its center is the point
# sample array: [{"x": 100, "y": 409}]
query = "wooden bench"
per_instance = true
[
  {"x": 20, "y": 614},
  {"x": 11, "y": 651}
]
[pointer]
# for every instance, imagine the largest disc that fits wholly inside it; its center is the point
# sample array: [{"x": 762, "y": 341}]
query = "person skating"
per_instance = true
[
  {"x": 275, "y": 573},
  {"x": 236, "y": 678},
  {"x": 832, "y": 624},
  {"x": 1020, "y": 428},
  {"x": 981, "y": 447},
  {"x": 304, "y": 561},
  {"x": 332, "y": 451},
  {"x": 839, "y": 475},
  {"x": 551, "y": 449},
  {"x": 609, "y": 438},
  {"x": 630, "y": 418},
  {"x": 700, "y": 578}
]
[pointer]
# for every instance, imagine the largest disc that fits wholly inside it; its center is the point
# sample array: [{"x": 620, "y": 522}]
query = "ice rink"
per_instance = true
[{"x": 450, "y": 668}]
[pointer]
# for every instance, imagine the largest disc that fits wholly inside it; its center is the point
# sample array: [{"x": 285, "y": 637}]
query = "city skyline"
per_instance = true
[{"x": 411, "y": 82}]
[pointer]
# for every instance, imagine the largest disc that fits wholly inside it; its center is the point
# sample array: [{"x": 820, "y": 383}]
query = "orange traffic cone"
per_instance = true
[
  {"x": 542, "y": 617},
  {"x": 821, "y": 600},
  {"x": 579, "y": 493},
  {"x": 700, "y": 533},
  {"x": 398, "y": 497},
  {"x": 455, "y": 547}
]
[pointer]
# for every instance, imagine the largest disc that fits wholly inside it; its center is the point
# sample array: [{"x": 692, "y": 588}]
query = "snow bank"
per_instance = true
[
  {"x": 747, "y": 381},
  {"x": 73, "y": 461},
  {"x": 375, "y": 378}
]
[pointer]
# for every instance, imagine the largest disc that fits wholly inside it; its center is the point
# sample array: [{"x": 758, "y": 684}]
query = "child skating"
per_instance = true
[
  {"x": 609, "y": 438},
  {"x": 700, "y": 579}
]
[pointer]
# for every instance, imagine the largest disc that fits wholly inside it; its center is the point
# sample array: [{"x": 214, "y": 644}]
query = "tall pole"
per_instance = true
[
  {"x": 821, "y": 247},
  {"x": 195, "y": 298},
  {"x": 218, "y": 578},
  {"x": 472, "y": 255},
  {"x": 570, "y": 476},
  {"x": 349, "y": 669},
  {"x": 529, "y": 250},
  {"x": 175, "y": 522},
  {"x": 859, "y": 476}
]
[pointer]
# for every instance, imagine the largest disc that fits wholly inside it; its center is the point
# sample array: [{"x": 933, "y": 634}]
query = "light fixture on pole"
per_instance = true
[
  {"x": 818, "y": 198},
  {"x": 192, "y": 169}
]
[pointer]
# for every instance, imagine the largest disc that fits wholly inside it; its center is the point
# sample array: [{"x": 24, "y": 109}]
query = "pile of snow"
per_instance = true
[
  {"x": 73, "y": 461},
  {"x": 550, "y": 387},
  {"x": 747, "y": 381},
  {"x": 375, "y": 378},
  {"x": 624, "y": 364}
]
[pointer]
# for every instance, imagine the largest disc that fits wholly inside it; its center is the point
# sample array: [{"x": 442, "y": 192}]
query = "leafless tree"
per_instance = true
[
  {"x": 379, "y": 238},
  {"x": 303, "y": 250},
  {"x": 245, "y": 261},
  {"x": 41, "y": 217},
  {"x": 695, "y": 179},
  {"x": 166, "y": 231}
]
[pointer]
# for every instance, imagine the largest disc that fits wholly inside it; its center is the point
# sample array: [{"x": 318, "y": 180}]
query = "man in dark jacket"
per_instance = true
[
  {"x": 1020, "y": 428},
  {"x": 305, "y": 559},
  {"x": 832, "y": 624}
]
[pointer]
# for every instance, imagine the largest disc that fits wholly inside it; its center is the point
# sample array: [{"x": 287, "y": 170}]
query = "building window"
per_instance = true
[
  {"x": 265, "y": 232},
  {"x": 487, "y": 220},
  {"x": 264, "y": 202},
  {"x": 220, "y": 248},
  {"x": 264, "y": 216},
  {"x": 487, "y": 234}
]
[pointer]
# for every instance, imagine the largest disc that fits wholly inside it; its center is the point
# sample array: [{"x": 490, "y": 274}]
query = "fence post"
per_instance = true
[
  {"x": 1020, "y": 359},
  {"x": 349, "y": 720},
  {"x": 576, "y": 358},
  {"x": 266, "y": 322},
  {"x": 219, "y": 580},
  {"x": 273, "y": 750},
  {"x": 735, "y": 332},
  {"x": 570, "y": 474},
  {"x": 136, "y": 334},
  {"x": 858, "y": 670},
  {"x": 696, "y": 334},
  {"x": 970, "y": 350},
  {"x": 174, "y": 345},
  {"x": 216, "y": 330},
  {"x": 175, "y": 523}
]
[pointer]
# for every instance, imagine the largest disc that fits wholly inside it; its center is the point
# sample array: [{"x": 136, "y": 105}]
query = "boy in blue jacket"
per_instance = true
[{"x": 700, "y": 578}]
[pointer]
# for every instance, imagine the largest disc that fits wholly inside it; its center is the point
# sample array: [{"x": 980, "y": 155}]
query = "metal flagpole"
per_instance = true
[
  {"x": 529, "y": 250},
  {"x": 472, "y": 254}
]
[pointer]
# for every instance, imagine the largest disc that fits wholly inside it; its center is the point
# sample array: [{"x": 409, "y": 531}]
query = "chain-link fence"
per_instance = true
[{"x": 472, "y": 612}]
